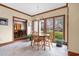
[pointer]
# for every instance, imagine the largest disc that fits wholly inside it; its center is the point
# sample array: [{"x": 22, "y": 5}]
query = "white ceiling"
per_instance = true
[{"x": 34, "y": 8}]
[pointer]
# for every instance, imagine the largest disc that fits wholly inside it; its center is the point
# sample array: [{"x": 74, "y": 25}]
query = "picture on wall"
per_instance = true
[{"x": 3, "y": 21}]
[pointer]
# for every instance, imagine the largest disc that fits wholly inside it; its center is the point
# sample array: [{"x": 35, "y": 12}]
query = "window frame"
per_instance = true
[{"x": 45, "y": 29}]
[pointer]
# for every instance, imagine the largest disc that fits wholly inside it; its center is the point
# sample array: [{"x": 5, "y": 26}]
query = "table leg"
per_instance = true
[{"x": 44, "y": 44}]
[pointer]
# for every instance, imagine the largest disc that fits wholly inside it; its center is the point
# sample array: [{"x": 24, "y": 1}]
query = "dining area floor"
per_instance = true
[{"x": 24, "y": 48}]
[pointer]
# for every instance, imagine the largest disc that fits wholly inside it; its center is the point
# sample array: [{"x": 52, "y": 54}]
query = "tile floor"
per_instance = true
[{"x": 23, "y": 48}]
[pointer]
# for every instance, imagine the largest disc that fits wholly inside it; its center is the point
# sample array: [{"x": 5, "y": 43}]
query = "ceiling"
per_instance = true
[{"x": 34, "y": 8}]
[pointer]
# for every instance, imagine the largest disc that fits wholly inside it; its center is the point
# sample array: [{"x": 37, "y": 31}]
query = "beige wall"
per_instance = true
[
  {"x": 74, "y": 28},
  {"x": 62, "y": 11},
  {"x": 6, "y": 32}
]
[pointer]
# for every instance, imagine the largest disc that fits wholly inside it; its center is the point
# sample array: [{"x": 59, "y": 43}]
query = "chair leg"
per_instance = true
[
  {"x": 51, "y": 44},
  {"x": 31, "y": 43},
  {"x": 38, "y": 46}
]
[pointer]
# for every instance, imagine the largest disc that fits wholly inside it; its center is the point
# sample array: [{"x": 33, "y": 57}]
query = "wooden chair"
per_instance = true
[
  {"x": 35, "y": 40},
  {"x": 49, "y": 40}
]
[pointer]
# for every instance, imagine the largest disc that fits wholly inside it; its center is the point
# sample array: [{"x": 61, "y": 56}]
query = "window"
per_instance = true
[
  {"x": 59, "y": 27},
  {"x": 41, "y": 27},
  {"x": 35, "y": 26},
  {"x": 53, "y": 24},
  {"x": 49, "y": 25}
]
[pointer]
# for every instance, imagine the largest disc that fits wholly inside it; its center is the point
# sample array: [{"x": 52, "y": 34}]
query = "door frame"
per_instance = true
[{"x": 19, "y": 21}]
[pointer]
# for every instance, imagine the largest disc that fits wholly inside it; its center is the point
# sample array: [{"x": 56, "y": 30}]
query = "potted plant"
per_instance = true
[
  {"x": 28, "y": 37},
  {"x": 59, "y": 40}
]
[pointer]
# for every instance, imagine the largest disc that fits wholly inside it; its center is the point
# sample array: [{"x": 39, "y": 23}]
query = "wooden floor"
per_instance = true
[{"x": 23, "y": 48}]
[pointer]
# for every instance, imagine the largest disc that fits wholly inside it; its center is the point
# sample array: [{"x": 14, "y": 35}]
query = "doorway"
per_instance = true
[{"x": 19, "y": 28}]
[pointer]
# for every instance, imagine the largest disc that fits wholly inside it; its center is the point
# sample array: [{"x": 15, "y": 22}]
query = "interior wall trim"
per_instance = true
[
  {"x": 35, "y": 14},
  {"x": 3, "y": 44},
  {"x": 19, "y": 18},
  {"x": 52, "y": 10},
  {"x": 13, "y": 9},
  {"x": 70, "y": 53},
  {"x": 67, "y": 26}
]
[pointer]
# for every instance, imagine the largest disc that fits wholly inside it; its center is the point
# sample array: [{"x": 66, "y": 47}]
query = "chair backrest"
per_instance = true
[
  {"x": 51, "y": 36},
  {"x": 35, "y": 36}
]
